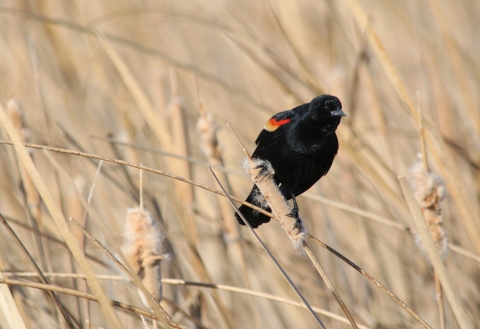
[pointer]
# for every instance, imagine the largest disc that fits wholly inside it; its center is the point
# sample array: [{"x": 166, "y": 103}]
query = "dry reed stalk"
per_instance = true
[
  {"x": 196, "y": 261},
  {"x": 139, "y": 48},
  {"x": 11, "y": 314},
  {"x": 143, "y": 249},
  {"x": 329, "y": 283},
  {"x": 207, "y": 129},
  {"x": 127, "y": 134},
  {"x": 179, "y": 141},
  {"x": 429, "y": 191},
  {"x": 193, "y": 253},
  {"x": 312, "y": 81},
  {"x": 157, "y": 309},
  {"x": 463, "y": 85},
  {"x": 52, "y": 239},
  {"x": 86, "y": 305},
  {"x": 80, "y": 294},
  {"x": 439, "y": 298},
  {"x": 336, "y": 204},
  {"x": 159, "y": 127},
  {"x": 160, "y": 313},
  {"x": 16, "y": 114},
  {"x": 21, "y": 302},
  {"x": 273, "y": 72},
  {"x": 457, "y": 308},
  {"x": 117, "y": 161},
  {"x": 221, "y": 260},
  {"x": 60, "y": 221},
  {"x": 194, "y": 284},
  {"x": 280, "y": 268},
  {"x": 372, "y": 279},
  {"x": 190, "y": 159},
  {"x": 149, "y": 169},
  {"x": 383, "y": 220},
  {"x": 185, "y": 194},
  {"x": 435, "y": 144},
  {"x": 75, "y": 207},
  {"x": 30, "y": 193},
  {"x": 44, "y": 280}
]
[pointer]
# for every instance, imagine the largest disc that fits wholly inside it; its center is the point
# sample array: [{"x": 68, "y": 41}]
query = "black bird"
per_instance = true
[{"x": 301, "y": 145}]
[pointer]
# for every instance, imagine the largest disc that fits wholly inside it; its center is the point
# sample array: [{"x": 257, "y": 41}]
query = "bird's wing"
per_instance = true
[{"x": 274, "y": 129}]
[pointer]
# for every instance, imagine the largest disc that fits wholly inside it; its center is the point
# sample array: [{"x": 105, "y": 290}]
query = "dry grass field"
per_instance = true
[{"x": 156, "y": 83}]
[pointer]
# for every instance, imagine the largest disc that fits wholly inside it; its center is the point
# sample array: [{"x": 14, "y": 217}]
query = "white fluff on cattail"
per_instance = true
[
  {"x": 208, "y": 136},
  {"x": 429, "y": 190},
  {"x": 143, "y": 249}
]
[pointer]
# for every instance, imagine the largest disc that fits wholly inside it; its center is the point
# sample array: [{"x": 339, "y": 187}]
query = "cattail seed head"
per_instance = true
[
  {"x": 209, "y": 143},
  {"x": 143, "y": 249},
  {"x": 429, "y": 190}
]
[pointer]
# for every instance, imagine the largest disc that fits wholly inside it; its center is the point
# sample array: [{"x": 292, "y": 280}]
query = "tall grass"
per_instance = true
[{"x": 155, "y": 84}]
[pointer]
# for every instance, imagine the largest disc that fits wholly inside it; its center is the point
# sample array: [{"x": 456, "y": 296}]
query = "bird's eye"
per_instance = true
[{"x": 330, "y": 105}]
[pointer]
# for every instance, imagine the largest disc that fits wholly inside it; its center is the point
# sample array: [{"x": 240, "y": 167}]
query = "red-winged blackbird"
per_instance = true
[{"x": 301, "y": 145}]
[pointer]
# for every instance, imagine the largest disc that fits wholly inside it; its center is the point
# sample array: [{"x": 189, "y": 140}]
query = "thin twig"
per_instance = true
[
  {"x": 51, "y": 238},
  {"x": 44, "y": 280},
  {"x": 372, "y": 279},
  {"x": 125, "y": 163},
  {"x": 80, "y": 294},
  {"x": 140, "y": 187},
  {"x": 432, "y": 252},
  {"x": 239, "y": 142},
  {"x": 336, "y": 204},
  {"x": 194, "y": 284},
  {"x": 329, "y": 284},
  {"x": 60, "y": 222},
  {"x": 165, "y": 315},
  {"x": 86, "y": 305},
  {"x": 439, "y": 298},
  {"x": 317, "y": 319},
  {"x": 169, "y": 154}
]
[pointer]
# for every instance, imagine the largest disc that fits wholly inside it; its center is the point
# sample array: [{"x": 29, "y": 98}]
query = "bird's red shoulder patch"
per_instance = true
[{"x": 273, "y": 124}]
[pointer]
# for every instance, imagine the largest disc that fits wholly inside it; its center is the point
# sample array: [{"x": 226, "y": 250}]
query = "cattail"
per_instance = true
[
  {"x": 143, "y": 249},
  {"x": 429, "y": 190},
  {"x": 262, "y": 175},
  {"x": 207, "y": 129}
]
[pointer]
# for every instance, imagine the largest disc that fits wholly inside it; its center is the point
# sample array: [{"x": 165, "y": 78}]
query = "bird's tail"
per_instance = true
[{"x": 254, "y": 218}]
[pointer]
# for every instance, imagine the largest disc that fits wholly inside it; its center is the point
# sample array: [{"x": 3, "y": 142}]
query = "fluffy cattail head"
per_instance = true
[
  {"x": 143, "y": 249},
  {"x": 207, "y": 129},
  {"x": 429, "y": 190}
]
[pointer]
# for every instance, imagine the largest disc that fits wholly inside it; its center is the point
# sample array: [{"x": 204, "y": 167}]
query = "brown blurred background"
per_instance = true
[{"x": 144, "y": 72}]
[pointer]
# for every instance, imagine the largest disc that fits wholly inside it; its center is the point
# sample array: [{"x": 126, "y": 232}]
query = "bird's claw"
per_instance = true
[
  {"x": 298, "y": 224},
  {"x": 294, "y": 214},
  {"x": 265, "y": 170}
]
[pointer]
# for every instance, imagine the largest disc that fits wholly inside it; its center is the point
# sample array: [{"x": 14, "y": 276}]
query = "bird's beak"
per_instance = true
[{"x": 338, "y": 113}]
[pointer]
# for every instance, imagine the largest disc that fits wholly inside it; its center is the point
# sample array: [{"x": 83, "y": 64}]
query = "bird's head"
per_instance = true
[{"x": 326, "y": 107}]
